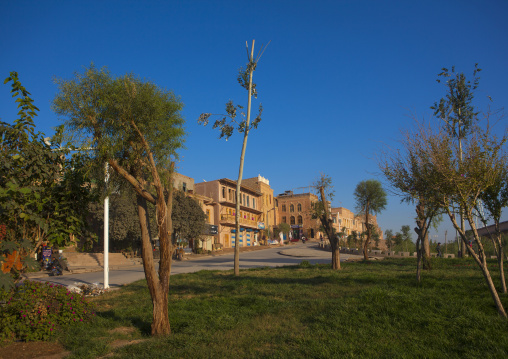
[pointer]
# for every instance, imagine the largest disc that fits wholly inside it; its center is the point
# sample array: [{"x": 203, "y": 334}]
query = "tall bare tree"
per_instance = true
[{"x": 228, "y": 123}]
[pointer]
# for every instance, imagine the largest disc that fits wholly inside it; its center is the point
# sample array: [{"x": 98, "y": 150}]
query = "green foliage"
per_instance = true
[
  {"x": 284, "y": 228},
  {"x": 36, "y": 311},
  {"x": 43, "y": 190},
  {"x": 188, "y": 217},
  {"x": 370, "y": 197},
  {"x": 115, "y": 114},
  {"x": 456, "y": 109},
  {"x": 228, "y": 122}
]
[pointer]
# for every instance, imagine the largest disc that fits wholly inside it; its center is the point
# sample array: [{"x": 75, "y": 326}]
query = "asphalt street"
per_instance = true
[{"x": 269, "y": 257}]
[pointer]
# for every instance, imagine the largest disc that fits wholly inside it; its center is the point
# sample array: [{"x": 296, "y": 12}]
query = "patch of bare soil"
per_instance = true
[{"x": 29, "y": 350}]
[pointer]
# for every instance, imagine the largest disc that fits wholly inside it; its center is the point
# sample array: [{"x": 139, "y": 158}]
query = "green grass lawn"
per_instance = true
[{"x": 366, "y": 310}]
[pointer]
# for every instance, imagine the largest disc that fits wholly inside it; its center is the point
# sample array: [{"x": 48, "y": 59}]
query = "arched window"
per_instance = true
[
  {"x": 283, "y": 208},
  {"x": 299, "y": 207},
  {"x": 284, "y": 219},
  {"x": 300, "y": 220},
  {"x": 292, "y": 208},
  {"x": 292, "y": 220}
]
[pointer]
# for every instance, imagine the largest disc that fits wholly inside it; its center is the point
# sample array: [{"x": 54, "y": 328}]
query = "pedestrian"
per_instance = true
[{"x": 438, "y": 249}]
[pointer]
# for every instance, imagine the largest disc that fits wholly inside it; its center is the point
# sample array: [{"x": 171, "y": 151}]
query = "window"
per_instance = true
[
  {"x": 334, "y": 220},
  {"x": 299, "y": 207},
  {"x": 292, "y": 220},
  {"x": 243, "y": 199},
  {"x": 284, "y": 209},
  {"x": 300, "y": 220},
  {"x": 208, "y": 215},
  {"x": 184, "y": 186},
  {"x": 224, "y": 192},
  {"x": 254, "y": 203},
  {"x": 291, "y": 208},
  {"x": 230, "y": 194},
  {"x": 248, "y": 204},
  {"x": 284, "y": 219},
  {"x": 270, "y": 199}
]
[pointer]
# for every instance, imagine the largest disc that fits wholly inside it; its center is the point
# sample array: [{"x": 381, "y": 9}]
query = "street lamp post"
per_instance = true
[{"x": 106, "y": 231}]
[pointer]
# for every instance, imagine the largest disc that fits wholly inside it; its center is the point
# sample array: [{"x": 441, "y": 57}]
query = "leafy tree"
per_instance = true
[
  {"x": 494, "y": 199},
  {"x": 284, "y": 228},
  {"x": 228, "y": 123},
  {"x": 370, "y": 198},
  {"x": 388, "y": 238},
  {"x": 136, "y": 127},
  {"x": 42, "y": 189},
  {"x": 376, "y": 238},
  {"x": 458, "y": 112},
  {"x": 460, "y": 183},
  {"x": 408, "y": 177},
  {"x": 398, "y": 239},
  {"x": 188, "y": 217},
  {"x": 321, "y": 210}
]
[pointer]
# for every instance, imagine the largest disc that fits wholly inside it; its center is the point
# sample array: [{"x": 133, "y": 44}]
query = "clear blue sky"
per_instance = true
[{"x": 337, "y": 80}]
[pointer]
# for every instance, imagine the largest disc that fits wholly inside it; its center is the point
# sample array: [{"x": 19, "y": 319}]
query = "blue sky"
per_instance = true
[{"x": 338, "y": 79}]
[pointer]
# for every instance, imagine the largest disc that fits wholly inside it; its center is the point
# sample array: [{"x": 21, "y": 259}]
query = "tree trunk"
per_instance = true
[
  {"x": 160, "y": 324},
  {"x": 240, "y": 171},
  {"x": 426, "y": 252},
  {"x": 335, "y": 254},
  {"x": 327, "y": 225},
  {"x": 419, "y": 258},
  {"x": 480, "y": 259},
  {"x": 367, "y": 226},
  {"x": 493, "y": 291},
  {"x": 501, "y": 270}
]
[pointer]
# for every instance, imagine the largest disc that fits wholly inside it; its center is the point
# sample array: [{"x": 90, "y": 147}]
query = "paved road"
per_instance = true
[{"x": 270, "y": 257}]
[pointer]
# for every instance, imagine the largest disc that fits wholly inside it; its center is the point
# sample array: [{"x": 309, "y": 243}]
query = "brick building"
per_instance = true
[{"x": 296, "y": 210}]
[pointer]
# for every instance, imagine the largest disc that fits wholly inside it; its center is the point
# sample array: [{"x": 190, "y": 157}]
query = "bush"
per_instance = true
[{"x": 35, "y": 311}]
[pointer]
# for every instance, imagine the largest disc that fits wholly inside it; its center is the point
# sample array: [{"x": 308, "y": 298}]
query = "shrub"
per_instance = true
[{"x": 35, "y": 311}]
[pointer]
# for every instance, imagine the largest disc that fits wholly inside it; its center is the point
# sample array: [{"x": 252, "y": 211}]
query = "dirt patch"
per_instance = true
[
  {"x": 122, "y": 330},
  {"x": 122, "y": 343},
  {"x": 29, "y": 350}
]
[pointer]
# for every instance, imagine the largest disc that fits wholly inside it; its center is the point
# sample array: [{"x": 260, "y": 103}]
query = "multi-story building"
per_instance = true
[
  {"x": 296, "y": 210},
  {"x": 207, "y": 204},
  {"x": 223, "y": 194},
  {"x": 348, "y": 222},
  {"x": 267, "y": 205}
]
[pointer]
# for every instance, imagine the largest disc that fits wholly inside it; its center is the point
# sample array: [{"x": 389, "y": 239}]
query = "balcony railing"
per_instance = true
[{"x": 230, "y": 219}]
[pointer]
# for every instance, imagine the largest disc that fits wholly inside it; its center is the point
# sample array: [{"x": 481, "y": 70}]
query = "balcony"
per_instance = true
[{"x": 230, "y": 219}]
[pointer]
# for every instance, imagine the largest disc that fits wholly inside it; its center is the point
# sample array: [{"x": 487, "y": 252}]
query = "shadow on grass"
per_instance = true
[{"x": 144, "y": 327}]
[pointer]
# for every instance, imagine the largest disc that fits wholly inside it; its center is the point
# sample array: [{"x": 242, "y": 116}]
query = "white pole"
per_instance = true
[{"x": 106, "y": 234}]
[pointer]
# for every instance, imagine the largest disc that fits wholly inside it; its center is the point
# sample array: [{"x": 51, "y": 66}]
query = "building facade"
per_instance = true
[
  {"x": 267, "y": 205},
  {"x": 296, "y": 210},
  {"x": 223, "y": 194},
  {"x": 186, "y": 184},
  {"x": 347, "y": 222}
]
